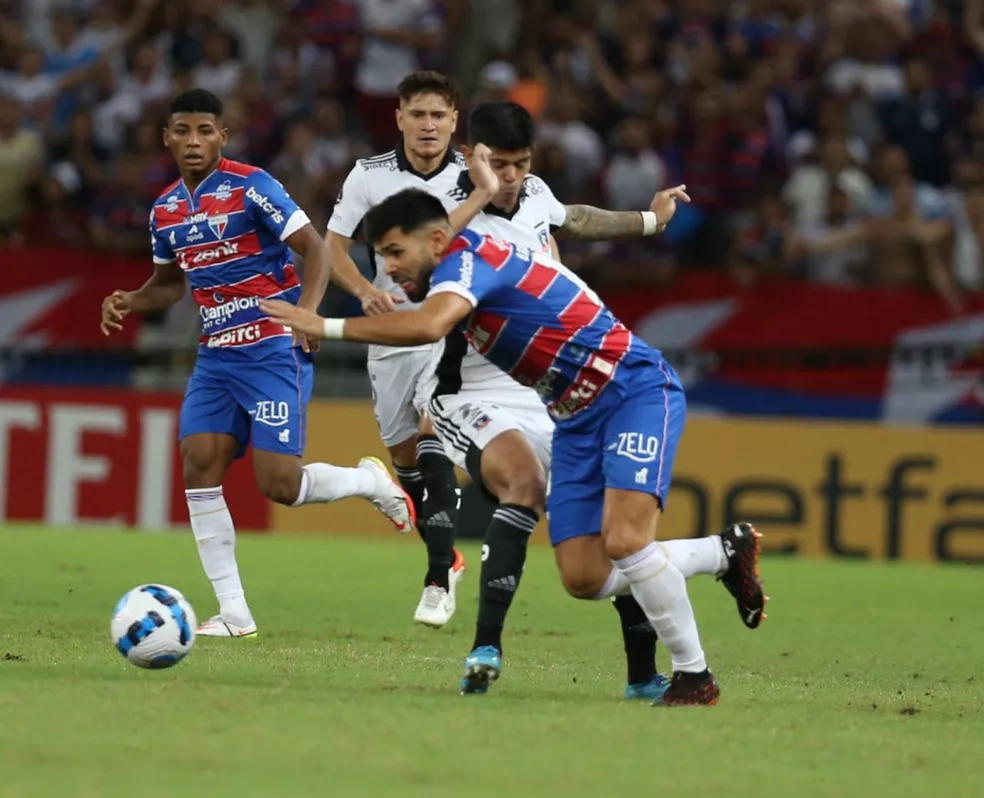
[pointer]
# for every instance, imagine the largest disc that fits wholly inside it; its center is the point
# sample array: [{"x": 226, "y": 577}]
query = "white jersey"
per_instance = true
[
  {"x": 370, "y": 182},
  {"x": 457, "y": 366}
]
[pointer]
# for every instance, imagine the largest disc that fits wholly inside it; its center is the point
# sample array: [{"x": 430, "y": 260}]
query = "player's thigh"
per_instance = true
[
  {"x": 576, "y": 483},
  {"x": 511, "y": 470},
  {"x": 212, "y": 429},
  {"x": 276, "y": 392},
  {"x": 394, "y": 383}
]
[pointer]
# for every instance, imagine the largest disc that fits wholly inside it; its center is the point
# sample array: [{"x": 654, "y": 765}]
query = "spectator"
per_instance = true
[
  {"x": 582, "y": 146},
  {"x": 21, "y": 159},
  {"x": 253, "y": 23},
  {"x": 636, "y": 172},
  {"x": 119, "y": 219},
  {"x": 807, "y": 191},
  {"x": 219, "y": 71}
]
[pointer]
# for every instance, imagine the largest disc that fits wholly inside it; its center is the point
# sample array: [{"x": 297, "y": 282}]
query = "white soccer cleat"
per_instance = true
[
  {"x": 435, "y": 608},
  {"x": 437, "y": 605},
  {"x": 217, "y": 627},
  {"x": 390, "y": 499}
]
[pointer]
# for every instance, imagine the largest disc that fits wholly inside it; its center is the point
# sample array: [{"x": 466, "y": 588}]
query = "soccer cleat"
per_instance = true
[
  {"x": 437, "y": 605},
  {"x": 652, "y": 690},
  {"x": 741, "y": 547},
  {"x": 691, "y": 690},
  {"x": 390, "y": 499},
  {"x": 216, "y": 627},
  {"x": 482, "y": 668}
]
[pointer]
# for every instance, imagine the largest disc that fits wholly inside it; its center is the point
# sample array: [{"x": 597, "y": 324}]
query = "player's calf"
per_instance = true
[{"x": 439, "y": 511}]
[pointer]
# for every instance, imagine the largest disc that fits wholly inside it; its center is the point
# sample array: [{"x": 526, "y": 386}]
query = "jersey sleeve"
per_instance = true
[
  {"x": 160, "y": 244},
  {"x": 269, "y": 205},
  {"x": 465, "y": 274},
  {"x": 556, "y": 211},
  {"x": 352, "y": 204}
]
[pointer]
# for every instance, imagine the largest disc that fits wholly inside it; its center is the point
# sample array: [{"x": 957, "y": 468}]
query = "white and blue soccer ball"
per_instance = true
[{"x": 153, "y": 626}]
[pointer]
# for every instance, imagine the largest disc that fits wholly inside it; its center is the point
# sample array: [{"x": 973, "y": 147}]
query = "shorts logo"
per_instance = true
[
  {"x": 642, "y": 476},
  {"x": 273, "y": 414},
  {"x": 636, "y": 446},
  {"x": 285, "y": 436}
]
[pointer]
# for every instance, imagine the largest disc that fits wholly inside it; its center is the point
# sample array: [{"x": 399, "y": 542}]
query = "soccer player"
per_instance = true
[
  {"x": 228, "y": 230},
  {"x": 618, "y": 407},
  {"x": 423, "y": 158},
  {"x": 500, "y": 432}
]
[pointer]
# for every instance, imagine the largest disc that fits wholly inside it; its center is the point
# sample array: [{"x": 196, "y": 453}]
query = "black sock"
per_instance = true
[
  {"x": 640, "y": 640},
  {"x": 412, "y": 482},
  {"x": 440, "y": 508},
  {"x": 505, "y": 554}
]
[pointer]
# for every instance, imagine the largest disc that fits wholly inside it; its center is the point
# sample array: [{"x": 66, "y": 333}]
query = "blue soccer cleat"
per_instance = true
[
  {"x": 482, "y": 667},
  {"x": 652, "y": 690}
]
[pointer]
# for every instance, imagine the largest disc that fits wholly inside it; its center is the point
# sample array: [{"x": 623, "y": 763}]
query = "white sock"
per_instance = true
[
  {"x": 661, "y": 591},
  {"x": 215, "y": 535},
  {"x": 615, "y": 585},
  {"x": 322, "y": 483},
  {"x": 696, "y": 556}
]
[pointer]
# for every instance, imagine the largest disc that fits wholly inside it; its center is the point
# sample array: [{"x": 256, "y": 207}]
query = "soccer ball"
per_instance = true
[{"x": 153, "y": 626}]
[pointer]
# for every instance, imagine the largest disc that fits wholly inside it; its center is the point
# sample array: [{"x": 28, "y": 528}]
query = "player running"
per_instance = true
[
  {"x": 500, "y": 432},
  {"x": 618, "y": 407},
  {"x": 228, "y": 230},
  {"x": 422, "y": 159}
]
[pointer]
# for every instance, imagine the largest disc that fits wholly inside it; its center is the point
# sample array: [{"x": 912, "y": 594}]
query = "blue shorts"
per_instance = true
[
  {"x": 627, "y": 441},
  {"x": 264, "y": 399}
]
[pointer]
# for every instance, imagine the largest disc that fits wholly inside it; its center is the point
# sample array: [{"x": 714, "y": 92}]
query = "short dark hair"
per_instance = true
[
  {"x": 427, "y": 81},
  {"x": 503, "y": 125},
  {"x": 196, "y": 101},
  {"x": 408, "y": 210}
]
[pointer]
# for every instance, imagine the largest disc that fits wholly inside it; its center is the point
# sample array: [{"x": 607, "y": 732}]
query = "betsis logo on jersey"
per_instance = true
[{"x": 265, "y": 205}]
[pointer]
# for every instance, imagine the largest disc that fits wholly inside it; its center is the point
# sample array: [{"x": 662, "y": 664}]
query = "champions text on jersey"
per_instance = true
[
  {"x": 538, "y": 321},
  {"x": 229, "y": 239}
]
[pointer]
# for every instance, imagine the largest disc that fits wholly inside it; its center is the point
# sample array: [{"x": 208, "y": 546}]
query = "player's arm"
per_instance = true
[
  {"x": 486, "y": 185},
  {"x": 429, "y": 323},
  {"x": 597, "y": 224},
  {"x": 166, "y": 287},
  {"x": 317, "y": 268}
]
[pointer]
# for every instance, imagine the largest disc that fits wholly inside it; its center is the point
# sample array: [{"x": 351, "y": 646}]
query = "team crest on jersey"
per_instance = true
[
  {"x": 218, "y": 224},
  {"x": 543, "y": 236},
  {"x": 223, "y": 192},
  {"x": 172, "y": 204},
  {"x": 481, "y": 422}
]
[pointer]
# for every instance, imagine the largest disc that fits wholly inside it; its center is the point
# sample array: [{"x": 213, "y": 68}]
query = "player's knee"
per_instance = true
[
  {"x": 282, "y": 487},
  {"x": 623, "y": 541},
  {"x": 581, "y": 584},
  {"x": 525, "y": 486},
  {"x": 200, "y": 470}
]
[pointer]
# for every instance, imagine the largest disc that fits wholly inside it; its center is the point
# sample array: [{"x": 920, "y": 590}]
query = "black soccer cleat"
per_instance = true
[
  {"x": 691, "y": 690},
  {"x": 741, "y": 547}
]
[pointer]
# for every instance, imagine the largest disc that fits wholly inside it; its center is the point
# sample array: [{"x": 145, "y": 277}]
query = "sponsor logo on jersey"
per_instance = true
[
  {"x": 201, "y": 216},
  {"x": 223, "y": 192},
  {"x": 390, "y": 164},
  {"x": 265, "y": 205},
  {"x": 579, "y": 398},
  {"x": 194, "y": 234},
  {"x": 237, "y": 337},
  {"x": 172, "y": 203},
  {"x": 224, "y": 250},
  {"x": 217, "y": 224},
  {"x": 273, "y": 414},
  {"x": 467, "y": 269},
  {"x": 221, "y": 313}
]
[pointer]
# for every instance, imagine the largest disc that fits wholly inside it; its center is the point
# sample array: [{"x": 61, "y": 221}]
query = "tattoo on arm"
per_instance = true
[{"x": 586, "y": 221}]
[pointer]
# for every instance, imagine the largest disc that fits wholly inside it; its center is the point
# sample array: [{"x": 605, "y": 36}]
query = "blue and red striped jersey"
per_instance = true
[
  {"x": 538, "y": 321},
  {"x": 229, "y": 237}
]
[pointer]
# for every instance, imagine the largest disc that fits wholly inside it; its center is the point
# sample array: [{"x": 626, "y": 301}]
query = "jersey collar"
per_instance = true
[
  {"x": 405, "y": 166},
  {"x": 466, "y": 185}
]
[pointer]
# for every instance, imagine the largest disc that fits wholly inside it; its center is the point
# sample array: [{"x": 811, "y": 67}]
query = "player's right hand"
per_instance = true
[
  {"x": 480, "y": 171},
  {"x": 115, "y": 308},
  {"x": 376, "y": 303}
]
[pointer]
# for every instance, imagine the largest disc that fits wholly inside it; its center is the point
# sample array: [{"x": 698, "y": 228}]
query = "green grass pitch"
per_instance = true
[{"x": 866, "y": 680}]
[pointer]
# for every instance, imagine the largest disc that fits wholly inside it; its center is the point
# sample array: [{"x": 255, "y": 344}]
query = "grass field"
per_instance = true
[{"x": 866, "y": 680}]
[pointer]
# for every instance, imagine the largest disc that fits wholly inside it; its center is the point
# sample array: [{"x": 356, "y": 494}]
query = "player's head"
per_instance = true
[
  {"x": 428, "y": 112},
  {"x": 508, "y": 130},
  {"x": 195, "y": 132},
  {"x": 411, "y": 231}
]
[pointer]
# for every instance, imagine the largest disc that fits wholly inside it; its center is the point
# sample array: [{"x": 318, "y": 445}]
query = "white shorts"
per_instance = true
[
  {"x": 475, "y": 418},
  {"x": 398, "y": 381}
]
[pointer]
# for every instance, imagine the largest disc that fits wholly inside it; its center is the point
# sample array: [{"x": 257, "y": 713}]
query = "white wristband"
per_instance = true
[
  {"x": 334, "y": 328},
  {"x": 650, "y": 223}
]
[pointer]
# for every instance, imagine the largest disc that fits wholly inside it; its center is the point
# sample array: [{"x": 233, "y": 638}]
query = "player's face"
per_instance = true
[
  {"x": 196, "y": 141},
  {"x": 427, "y": 122},
  {"x": 409, "y": 258},
  {"x": 511, "y": 168}
]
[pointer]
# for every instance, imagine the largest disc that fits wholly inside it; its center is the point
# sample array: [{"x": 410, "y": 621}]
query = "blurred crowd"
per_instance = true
[{"x": 839, "y": 141}]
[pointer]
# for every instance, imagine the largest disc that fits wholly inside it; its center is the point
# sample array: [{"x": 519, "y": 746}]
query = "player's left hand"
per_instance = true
[
  {"x": 480, "y": 171},
  {"x": 664, "y": 204},
  {"x": 300, "y": 320}
]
